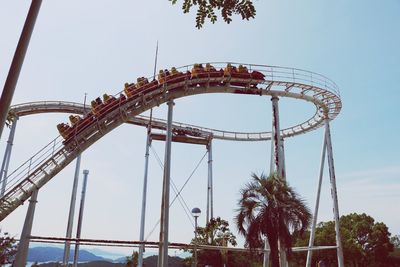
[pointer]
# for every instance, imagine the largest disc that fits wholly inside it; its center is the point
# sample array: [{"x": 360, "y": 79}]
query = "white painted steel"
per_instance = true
[
  {"x": 334, "y": 194},
  {"x": 164, "y": 226},
  {"x": 80, "y": 217},
  {"x": 23, "y": 246},
  {"x": 315, "y": 217},
  {"x": 7, "y": 156},
  {"x": 144, "y": 198},
  {"x": 44, "y": 165},
  {"x": 72, "y": 210}
]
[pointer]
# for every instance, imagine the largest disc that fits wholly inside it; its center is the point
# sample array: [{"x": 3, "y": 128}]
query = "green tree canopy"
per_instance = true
[
  {"x": 365, "y": 242},
  {"x": 207, "y": 9},
  {"x": 8, "y": 249},
  {"x": 270, "y": 207},
  {"x": 216, "y": 233}
]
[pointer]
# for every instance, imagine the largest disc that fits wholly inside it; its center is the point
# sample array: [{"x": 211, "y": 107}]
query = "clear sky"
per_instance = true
[{"x": 96, "y": 46}]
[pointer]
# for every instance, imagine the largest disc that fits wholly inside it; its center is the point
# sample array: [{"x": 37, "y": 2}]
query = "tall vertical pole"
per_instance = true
[
  {"x": 334, "y": 192},
  {"x": 276, "y": 138},
  {"x": 71, "y": 210},
  {"x": 166, "y": 185},
  {"x": 23, "y": 246},
  {"x": 282, "y": 157},
  {"x": 210, "y": 197},
  {"x": 315, "y": 217},
  {"x": 277, "y": 157},
  {"x": 7, "y": 156},
  {"x": 195, "y": 241},
  {"x": 18, "y": 60},
  {"x": 144, "y": 197},
  {"x": 266, "y": 252},
  {"x": 80, "y": 218}
]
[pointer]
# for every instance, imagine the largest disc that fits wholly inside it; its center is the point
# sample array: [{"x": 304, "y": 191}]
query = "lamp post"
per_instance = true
[{"x": 196, "y": 213}]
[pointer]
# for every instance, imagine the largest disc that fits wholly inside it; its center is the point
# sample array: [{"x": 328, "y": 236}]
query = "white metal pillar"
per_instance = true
[
  {"x": 71, "y": 211},
  {"x": 80, "y": 218},
  {"x": 334, "y": 192},
  {"x": 23, "y": 246},
  {"x": 210, "y": 197},
  {"x": 7, "y": 156},
  {"x": 315, "y": 217},
  {"x": 282, "y": 157},
  {"x": 276, "y": 141},
  {"x": 266, "y": 253},
  {"x": 144, "y": 197},
  {"x": 277, "y": 160},
  {"x": 163, "y": 247}
]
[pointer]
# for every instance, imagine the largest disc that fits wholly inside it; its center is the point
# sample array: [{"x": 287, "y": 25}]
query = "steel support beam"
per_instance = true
[
  {"x": 315, "y": 217},
  {"x": 7, "y": 157},
  {"x": 144, "y": 198},
  {"x": 18, "y": 60},
  {"x": 210, "y": 197},
  {"x": 277, "y": 160},
  {"x": 266, "y": 253},
  {"x": 334, "y": 192},
  {"x": 23, "y": 246},
  {"x": 164, "y": 226},
  {"x": 72, "y": 211},
  {"x": 80, "y": 218}
]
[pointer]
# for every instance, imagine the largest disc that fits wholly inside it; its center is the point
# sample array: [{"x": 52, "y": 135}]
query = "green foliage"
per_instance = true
[
  {"x": 365, "y": 242},
  {"x": 207, "y": 9},
  {"x": 395, "y": 240},
  {"x": 216, "y": 233},
  {"x": 270, "y": 207},
  {"x": 132, "y": 261},
  {"x": 11, "y": 118},
  {"x": 8, "y": 248}
]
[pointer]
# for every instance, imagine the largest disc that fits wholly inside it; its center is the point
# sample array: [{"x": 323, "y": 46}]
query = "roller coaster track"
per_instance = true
[{"x": 279, "y": 82}]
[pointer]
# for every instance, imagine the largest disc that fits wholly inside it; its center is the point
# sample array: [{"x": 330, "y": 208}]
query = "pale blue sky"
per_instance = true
[{"x": 96, "y": 46}]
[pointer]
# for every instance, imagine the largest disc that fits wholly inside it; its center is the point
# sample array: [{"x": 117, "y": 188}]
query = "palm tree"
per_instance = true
[{"x": 270, "y": 208}]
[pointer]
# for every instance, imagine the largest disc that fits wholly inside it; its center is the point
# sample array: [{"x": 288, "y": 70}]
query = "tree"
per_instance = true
[
  {"x": 395, "y": 240},
  {"x": 206, "y": 9},
  {"x": 132, "y": 261},
  {"x": 270, "y": 207},
  {"x": 365, "y": 242},
  {"x": 216, "y": 233},
  {"x": 8, "y": 249}
]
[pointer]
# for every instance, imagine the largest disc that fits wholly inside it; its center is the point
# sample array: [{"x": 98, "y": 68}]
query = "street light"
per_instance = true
[{"x": 196, "y": 213}]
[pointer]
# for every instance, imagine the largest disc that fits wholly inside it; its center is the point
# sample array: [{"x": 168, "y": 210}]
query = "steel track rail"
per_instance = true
[{"x": 279, "y": 82}]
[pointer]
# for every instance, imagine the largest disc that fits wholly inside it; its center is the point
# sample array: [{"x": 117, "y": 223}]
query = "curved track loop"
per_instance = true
[{"x": 279, "y": 82}]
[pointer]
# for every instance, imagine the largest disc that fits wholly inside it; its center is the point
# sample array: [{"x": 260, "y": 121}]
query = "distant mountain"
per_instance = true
[
  {"x": 47, "y": 254},
  {"x": 148, "y": 262}
]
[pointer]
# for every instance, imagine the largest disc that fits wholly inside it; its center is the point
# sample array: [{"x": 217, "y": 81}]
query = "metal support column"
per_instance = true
[
  {"x": 23, "y": 246},
  {"x": 266, "y": 253},
  {"x": 163, "y": 247},
  {"x": 276, "y": 152},
  {"x": 80, "y": 218},
  {"x": 210, "y": 197},
  {"x": 277, "y": 159},
  {"x": 18, "y": 60},
  {"x": 6, "y": 159},
  {"x": 334, "y": 192},
  {"x": 315, "y": 217},
  {"x": 71, "y": 211},
  {"x": 144, "y": 197},
  {"x": 282, "y": 157}
]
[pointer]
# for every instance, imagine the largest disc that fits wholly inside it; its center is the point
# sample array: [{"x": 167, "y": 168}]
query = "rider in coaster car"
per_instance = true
[
  {"x": 174, "y": 71},
  {"x": 74, "y": 119},
  {"x": 161, "y": 77},
  {"x": 229, "y": 70},
  {"x": 62, "y": 129},
  {"x": 242, "y": 69},
  {"x": 196, "y": 70},
  {"x": 141, "y": 81},
  {"x": 127, "y": 90},
  {"x": 209, "y": 68}
]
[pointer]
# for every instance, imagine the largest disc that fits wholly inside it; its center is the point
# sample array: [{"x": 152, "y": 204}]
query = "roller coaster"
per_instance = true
[{"x": 89, "y": 124}]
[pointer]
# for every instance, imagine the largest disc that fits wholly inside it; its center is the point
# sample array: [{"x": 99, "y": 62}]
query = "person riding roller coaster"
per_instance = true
[{"x": 74, "y": 119}]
